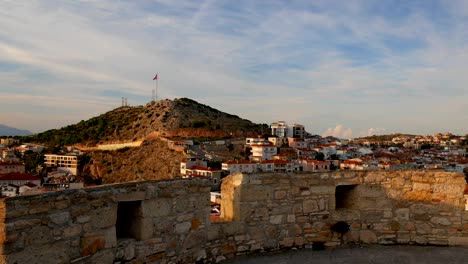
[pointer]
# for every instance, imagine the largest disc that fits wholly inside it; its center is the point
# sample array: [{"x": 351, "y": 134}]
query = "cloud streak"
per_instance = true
[{"x": 319, "y": 63}]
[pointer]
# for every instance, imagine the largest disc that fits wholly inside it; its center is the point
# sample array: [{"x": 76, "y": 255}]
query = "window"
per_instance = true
[
  {"x": 128, "y": 223},
  {"x": 345, "y": 197}
]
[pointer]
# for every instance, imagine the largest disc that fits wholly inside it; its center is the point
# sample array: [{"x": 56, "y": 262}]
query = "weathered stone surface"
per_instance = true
[
  {"x": 402, "y": 214},
  {"x": 184, "y": 227},
  {"x": 59, "y": 218},
  {"x": 458, "y": 241},
  {"x": 367, "y": 236},
  {"x": 91, "y": 243},
  {"x": 276, "y": 219},
  {"x": 440, "y": 221},
  {"x": 310, "y": 206},
  {"x": 72, "y": 231}
]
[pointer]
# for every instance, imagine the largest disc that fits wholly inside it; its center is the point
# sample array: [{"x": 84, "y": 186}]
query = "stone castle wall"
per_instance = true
[{"x": 168, "y": 221}]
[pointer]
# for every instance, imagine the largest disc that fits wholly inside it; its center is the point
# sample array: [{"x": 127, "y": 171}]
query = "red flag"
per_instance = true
[{"x": 155, "y": 77}]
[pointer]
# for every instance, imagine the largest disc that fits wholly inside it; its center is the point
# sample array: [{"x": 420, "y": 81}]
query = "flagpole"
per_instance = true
[{"x": 157, "y": 79}]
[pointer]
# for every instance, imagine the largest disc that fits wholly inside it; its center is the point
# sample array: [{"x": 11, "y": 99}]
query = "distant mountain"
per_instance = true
[
  {"x": 11, "y": 131},
  {"x": 169, "y": 118}
]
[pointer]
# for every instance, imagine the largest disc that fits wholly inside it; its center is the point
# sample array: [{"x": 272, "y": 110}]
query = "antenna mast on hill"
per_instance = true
[
  {"x": 122, "y": 101},
  {"x": 156, "y": 85}
]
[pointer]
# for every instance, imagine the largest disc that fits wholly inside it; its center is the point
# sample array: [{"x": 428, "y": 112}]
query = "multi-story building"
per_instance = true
[
  {"x": 283, "y": 130},
  {"x": 7, "y": 167},
  {"x": 189, "y": 162},
  {"x": 67, "y": 162},
  {"x": 263, "y": 151},
  {"x": 277, "y": 166},
  {"x": 314, "y": 165},
  {"x": 234, "y": 166}
]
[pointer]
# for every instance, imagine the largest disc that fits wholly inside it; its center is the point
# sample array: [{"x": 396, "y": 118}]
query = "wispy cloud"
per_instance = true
[{"x": 319, "y": 63}]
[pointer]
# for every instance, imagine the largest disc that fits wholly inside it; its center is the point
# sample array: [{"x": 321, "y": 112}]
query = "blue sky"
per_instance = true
[{"x": 346, "y": 68}]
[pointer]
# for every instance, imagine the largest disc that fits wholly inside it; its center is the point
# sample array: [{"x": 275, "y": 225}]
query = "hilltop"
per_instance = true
[
  {"x": 169, "y": 118},
  {"x": 182, "y": 118}
]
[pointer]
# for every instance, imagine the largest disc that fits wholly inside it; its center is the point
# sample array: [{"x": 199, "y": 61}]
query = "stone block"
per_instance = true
[
  {"x": 423, "y": 229},
  {"x": 458, "y": 241},
  {"x": 280, "y": 195},
  {"x": 367, "y": 236},
  {"x": 183, "y": 227},
  {"x": 72, "y": 231},
  {"x": 276, "y": 219},
  {"x": 310, "y": 206},
  {"x": 59, "y": 218},
  {"x": 91, "y": 243},
  {"x": 441, "y": 221},
  {"x": 291, "y": 218},
  {"x": 104, "y": 217},
  {"x": 402, "y": 214},
  {"x": 161, "y": 207}
]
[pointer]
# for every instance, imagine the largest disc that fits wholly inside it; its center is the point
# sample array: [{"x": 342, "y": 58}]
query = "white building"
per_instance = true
[
  {"x": 283, "y": 130},
  {"x": 234, "y": 166},
  {"x": 263, "y": 151},
  {"x": 7, "y": 167},
  {"x": 189, "y": 162},
  {"x": 67, "y": 162}
]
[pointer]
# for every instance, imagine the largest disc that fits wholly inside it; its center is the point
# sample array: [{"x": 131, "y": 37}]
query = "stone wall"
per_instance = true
[
  {"x": 168, "y": 221},
  {"x": 271, "y": 211},
  {"x": 165, "y": 220}
]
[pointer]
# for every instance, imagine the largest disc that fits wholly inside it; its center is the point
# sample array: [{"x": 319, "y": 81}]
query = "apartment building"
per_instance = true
[{"x": 66, "y": 162}]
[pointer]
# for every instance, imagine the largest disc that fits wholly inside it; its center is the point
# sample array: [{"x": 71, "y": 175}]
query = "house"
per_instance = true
[
  {"x": 314, "y": 165},
  {"x": 277, "y": 166},
  {"x": 263, "y": 151},
  {"x": 9, "y": 190},
  {"x": 28, "y": 189},
  {"x": 297, "y": 143},
  {"x": 8, "y": 155},
  {"x": 66, "y": 162},
  {"x": 201, "y": 171},
  {"x": 234, "y": 166},
  {"x": 278, "y": 141},
  {"x": 351, "y": 165},
  {"x": 19, "y": 179},
  {"x": 305, "y": 152},
  {"x": 7, "y": 167},
  {"x": 189, "y": 162}
]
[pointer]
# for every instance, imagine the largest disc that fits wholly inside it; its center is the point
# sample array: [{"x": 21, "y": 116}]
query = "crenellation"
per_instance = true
[{"x": 170, "y": 223}]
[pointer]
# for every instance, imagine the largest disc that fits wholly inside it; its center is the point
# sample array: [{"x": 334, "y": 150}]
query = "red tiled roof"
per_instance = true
[
  {"x": 238, "y": 162},
  {"x": 201, "y": 168},
  {"x": 3, "y": 163},
  {"x": 317, "y": 162},
  {"x": 275, "y": 162},
  {"x": 15, "y": 176},
  {"x": 355, "y": 162}
]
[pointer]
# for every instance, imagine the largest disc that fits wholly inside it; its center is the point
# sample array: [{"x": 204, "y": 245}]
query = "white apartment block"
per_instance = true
[
  {"x": 263, "y": 151},
  {"x": 283, "y": 130},
  {"x": 234, "y": 166},
  {"x": 67, "y": 162}
]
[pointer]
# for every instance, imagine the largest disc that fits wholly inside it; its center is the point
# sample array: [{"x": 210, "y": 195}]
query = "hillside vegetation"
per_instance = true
[
  {"x": 178, "y": 118},
  {"x": 183, "y": 118}
]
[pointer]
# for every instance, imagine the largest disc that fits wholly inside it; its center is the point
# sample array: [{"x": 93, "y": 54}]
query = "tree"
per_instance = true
[{"x": 320, "y": 156}]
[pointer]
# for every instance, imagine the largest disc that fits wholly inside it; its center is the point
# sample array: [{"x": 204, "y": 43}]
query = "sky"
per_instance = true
[{"x": 343, "y": 68}]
